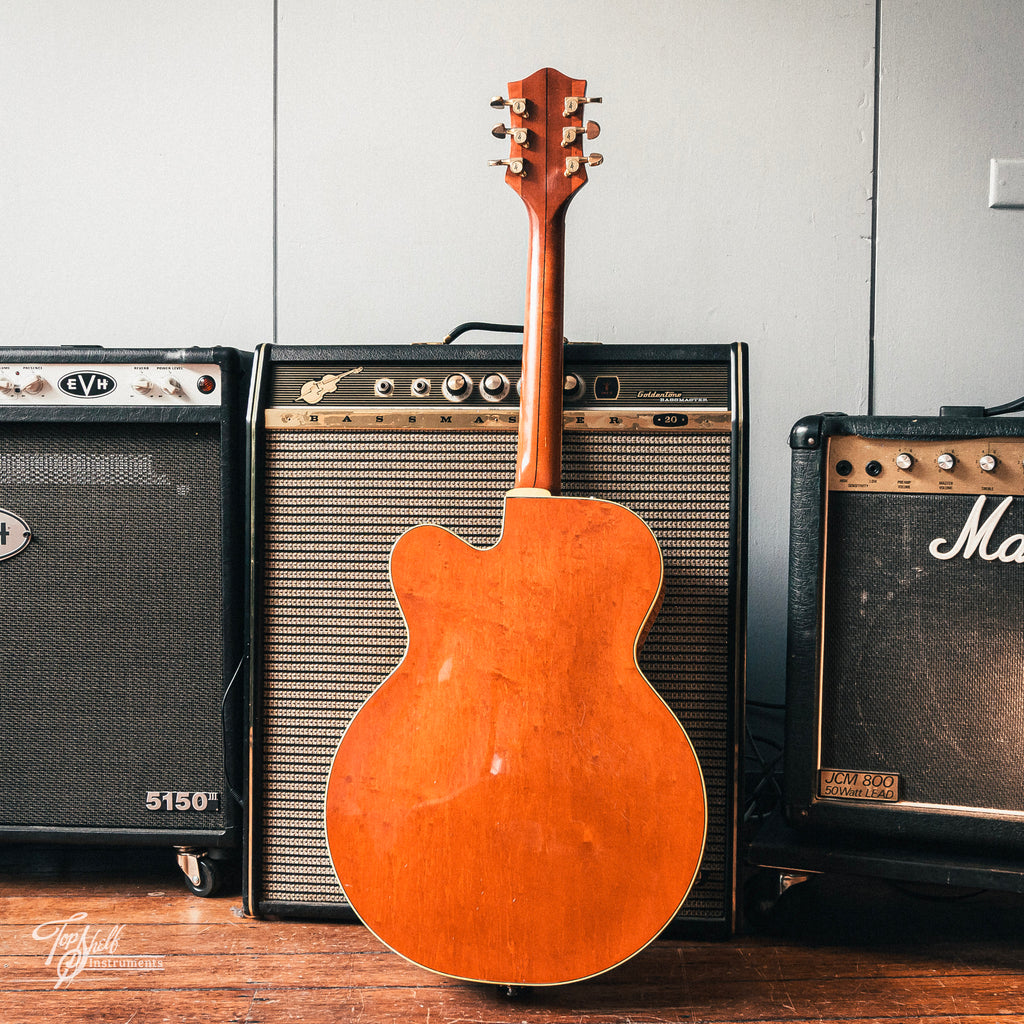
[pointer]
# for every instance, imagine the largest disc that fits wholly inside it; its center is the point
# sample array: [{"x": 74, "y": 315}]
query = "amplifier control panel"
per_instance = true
[
  {"x": 473, "y": 393},
  {"x": 111, "y": 384},
  {"x": 972, "y": 465}
]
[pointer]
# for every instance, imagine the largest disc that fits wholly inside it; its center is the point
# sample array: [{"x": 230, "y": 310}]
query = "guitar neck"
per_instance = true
[
  {"x": 546, "y": 167},
  {"x": 539, "y": 458}
]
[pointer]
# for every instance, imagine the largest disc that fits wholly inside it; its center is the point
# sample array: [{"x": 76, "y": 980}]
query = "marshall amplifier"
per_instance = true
[
  {"x": 905, "y": 687},
  {"x": 352, "y": 446},
  {"x": 121, "y": 603}
]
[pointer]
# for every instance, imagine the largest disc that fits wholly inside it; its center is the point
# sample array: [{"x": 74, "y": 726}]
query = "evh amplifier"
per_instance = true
[
  {"x": 352, "y": 446},
  {"x": 905, "y": 688},
  {"x": 121, "y": 607}
]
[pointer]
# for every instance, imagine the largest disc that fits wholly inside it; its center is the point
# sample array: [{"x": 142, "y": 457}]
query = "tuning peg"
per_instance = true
[
  {"x": 515, "y": 165},
  {"x": 518, "y": 135},
  {"x": 573, "y": 103},
  {"x": 518, "y": 106},
  {"x": 591, "y": 130},
  {"x": 572, "y": 163}
]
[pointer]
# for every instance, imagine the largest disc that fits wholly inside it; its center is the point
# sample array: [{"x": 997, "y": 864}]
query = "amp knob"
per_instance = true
[
  {"x": 30, "y": 384},
  {"x": 6, "y": 386},
  {"x": 946, "y": 461},
  {"x": 457, "y": 387},
  {"x": 904, "y": 460},
  {"x": 494, "y": 387},
  {"x": 988, "y": 463},
  {"x": 573, "y": 386}
]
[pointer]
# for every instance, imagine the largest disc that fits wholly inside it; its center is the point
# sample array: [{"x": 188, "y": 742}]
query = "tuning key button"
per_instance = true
[
  {"x": 946, "y": 461},
  {"x": 573, "y": 103},
  {"x": 904, "y": 460},
  {"x": 518, "y": 106},
  {"x": 520, "y": 136},
  {"x": 592, "y": 129},
  {"x": 457, "y": 387},
  {"x": 988, "y": 463},
  {"x": 572, "y": 163},
  {"x": 515, "y": 165}
]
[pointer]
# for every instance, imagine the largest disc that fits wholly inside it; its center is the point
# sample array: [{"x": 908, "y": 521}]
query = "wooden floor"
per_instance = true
[{"x": 835, "y": 949}]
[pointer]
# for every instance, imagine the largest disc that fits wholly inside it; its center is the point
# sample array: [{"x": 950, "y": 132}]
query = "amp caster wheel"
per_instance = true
[{"x": 203, "y": 875}]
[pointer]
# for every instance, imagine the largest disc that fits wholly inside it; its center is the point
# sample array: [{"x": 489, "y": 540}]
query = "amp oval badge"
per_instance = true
[
  {"x": 87, "y": 384},
  {"x": 15, "y": 534}
]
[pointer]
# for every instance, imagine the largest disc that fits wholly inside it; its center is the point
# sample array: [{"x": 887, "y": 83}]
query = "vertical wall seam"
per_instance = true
[
  {"x": 873, "y": 273},
  {"x": 273, "y": 185}
]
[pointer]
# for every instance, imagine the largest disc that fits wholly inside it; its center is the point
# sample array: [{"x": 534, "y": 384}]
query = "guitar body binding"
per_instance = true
[{"x": 515, "y": 804}]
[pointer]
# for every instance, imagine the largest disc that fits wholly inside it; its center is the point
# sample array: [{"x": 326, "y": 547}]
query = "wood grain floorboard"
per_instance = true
[{"x": 833, "y": 950}]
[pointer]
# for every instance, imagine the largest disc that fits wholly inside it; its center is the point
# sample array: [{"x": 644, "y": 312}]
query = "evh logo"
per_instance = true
[
  {"x": 15, "y": 534},
  {"x": 977, "y": 537},
  {"x": 91, "y": 384}
]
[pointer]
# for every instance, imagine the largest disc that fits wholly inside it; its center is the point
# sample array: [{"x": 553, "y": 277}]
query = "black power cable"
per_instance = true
[
  {"x": 479, "y": 325},
  {"x": 1001, "y": 410}
]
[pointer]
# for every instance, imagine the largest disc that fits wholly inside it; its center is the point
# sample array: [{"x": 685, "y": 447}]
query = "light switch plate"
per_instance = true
[{"x": 1006, "y": 184}]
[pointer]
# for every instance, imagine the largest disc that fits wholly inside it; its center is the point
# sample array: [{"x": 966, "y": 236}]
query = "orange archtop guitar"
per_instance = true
[{"x": 515, "y": 804}]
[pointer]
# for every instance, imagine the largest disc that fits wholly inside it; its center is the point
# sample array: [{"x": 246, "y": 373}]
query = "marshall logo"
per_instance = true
[
  {"x": 91, "y": 384},
  {"x": 15, "y": 534},
  {"x": 977, "y": 537}
]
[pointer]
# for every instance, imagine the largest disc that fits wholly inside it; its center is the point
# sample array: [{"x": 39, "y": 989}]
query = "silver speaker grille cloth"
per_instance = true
[{"x": 335, "y": 502}]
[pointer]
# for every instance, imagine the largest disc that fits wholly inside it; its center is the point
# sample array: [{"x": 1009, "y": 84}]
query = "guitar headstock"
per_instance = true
[{"x": 546, "y": 164}]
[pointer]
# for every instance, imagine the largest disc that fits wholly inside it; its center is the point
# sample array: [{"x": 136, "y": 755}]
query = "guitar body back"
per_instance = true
[{"x": 515, "y": 804}]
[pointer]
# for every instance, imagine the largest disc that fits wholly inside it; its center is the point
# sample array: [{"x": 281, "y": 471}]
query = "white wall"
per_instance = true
[
  {"x": 950, "y": 271},
  {"x": 733, "y": 204},
  {"x": 136, "y": 191},
  {"x": 136, "y": 159}
]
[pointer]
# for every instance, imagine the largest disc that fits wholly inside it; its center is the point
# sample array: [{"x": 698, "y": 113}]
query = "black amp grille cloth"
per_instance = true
[
  {"x": 336, "y": 503},
  {"x": 923, "y": 668},
  {"x": 112, "y": 668}
]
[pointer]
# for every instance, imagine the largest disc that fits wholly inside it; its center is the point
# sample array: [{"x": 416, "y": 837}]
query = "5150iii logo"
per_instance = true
[{"x": 181, "y": 800}]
